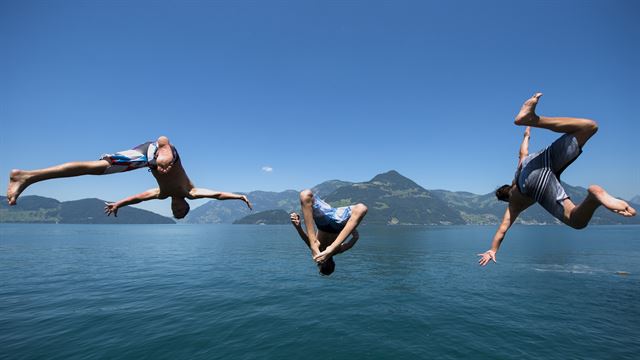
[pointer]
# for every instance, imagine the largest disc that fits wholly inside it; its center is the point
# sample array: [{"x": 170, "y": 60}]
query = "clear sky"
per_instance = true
[{"x": 315, "y": 90}]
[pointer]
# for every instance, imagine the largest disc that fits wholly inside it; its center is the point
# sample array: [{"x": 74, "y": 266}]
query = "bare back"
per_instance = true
[{"x": 518, "y": 201}]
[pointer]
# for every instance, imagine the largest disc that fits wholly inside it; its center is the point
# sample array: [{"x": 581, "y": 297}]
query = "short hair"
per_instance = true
[
  {"x": 186, "y": 211},
  {"x": 503, "y": 192},
  {"x": 328, "y": 267}
]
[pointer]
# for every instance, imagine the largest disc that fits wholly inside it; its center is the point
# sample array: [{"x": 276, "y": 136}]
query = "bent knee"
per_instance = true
[
  {"x": 592, "y": 126},
  {"x": 306, "y": 194},
  {"x": 595, "y": 190},
  {"x": 360, "y": 209}
]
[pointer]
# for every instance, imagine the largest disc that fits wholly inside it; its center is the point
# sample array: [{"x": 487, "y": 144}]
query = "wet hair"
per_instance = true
[
  {"x": 503, "y": 192},
  {"x": 328, "y": 267}
]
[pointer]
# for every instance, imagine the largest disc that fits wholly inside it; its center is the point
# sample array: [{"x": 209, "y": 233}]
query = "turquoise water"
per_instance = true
[{"x": 246, "y": 292}]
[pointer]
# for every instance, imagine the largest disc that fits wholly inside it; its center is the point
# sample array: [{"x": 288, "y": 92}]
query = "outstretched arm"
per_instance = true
[
  {"x": 112, "y": 208},
  {"x": 524, "y": 147},
  {"x": 508, "y": 219},
  {"x": 200, "y": 193}
]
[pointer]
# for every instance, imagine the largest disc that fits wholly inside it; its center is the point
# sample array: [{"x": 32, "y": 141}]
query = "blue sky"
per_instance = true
[{"x": 315, "y": 90}]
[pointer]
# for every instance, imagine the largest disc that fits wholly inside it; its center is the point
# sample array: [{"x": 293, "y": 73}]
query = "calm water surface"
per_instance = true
[{"x": 246, "y": 292}]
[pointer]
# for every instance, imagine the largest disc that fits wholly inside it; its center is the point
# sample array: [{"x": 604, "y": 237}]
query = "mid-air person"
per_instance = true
[
  {"x": 160, "y": 156},
  {"x": 334, "y": 227},
  {"x": 537, "y": 177}
]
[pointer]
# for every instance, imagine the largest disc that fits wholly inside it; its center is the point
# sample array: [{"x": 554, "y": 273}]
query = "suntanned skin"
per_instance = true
[
  {"x": 171, "y": 178},
  {"x": 576, "y": 216},
  {"x": 323, "y": 239},
  {"x": 324, "y": 245}
]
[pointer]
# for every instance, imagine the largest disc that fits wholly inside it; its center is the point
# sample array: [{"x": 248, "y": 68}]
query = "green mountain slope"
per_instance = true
[
  {"x": 486, "y": 209},
  {"x": 269, "y": 217},
  {"x": 395, "y": 199},
  {"x": 38, "y": 209},
  {"x": 228, "y": 211}
]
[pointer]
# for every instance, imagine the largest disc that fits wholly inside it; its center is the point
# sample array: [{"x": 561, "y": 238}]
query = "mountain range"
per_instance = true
[
  {"x": 394, "y": 199},
  {"x": 38, "y": 209}
]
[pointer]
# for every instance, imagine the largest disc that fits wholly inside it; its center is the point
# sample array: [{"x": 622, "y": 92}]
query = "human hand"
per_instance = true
[
  {"x": 111, "y": 208},
  {"x": 322, "y": 256},
  {"x": 527, "y": 131},
  {"x": 486, "y": 257},
  {"x": 246, "y": 200},
  {"x": 295, "y": 219}
]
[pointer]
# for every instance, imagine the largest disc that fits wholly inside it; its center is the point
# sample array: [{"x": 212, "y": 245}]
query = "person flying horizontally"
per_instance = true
[{"x": 160, "y": 156}]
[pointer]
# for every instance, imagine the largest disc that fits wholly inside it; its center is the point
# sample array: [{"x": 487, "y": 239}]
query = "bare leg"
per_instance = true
[
  {"x": 306, "y": 204},
  {"x": 357, "y": 214},
  {"x": 582, "y": 129},
  {"x": 19, "y": 180},
  {"x": 579, "y": 216}
]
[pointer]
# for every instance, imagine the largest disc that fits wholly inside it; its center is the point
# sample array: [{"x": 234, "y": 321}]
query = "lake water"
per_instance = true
[{"x": 247, "y": 292}]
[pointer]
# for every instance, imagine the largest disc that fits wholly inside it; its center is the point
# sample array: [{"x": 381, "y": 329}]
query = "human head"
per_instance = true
[
  {"x": 180, "y": 207},
  {"x": 503, "y": 193},
  {"x": 328, "y": 267}
]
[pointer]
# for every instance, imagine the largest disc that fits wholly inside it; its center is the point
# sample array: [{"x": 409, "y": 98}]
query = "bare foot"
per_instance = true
[
  {"x": 527, "y": 114},
  {"x": 616, "y": 205},
  {"x": 17, "y": 184}
]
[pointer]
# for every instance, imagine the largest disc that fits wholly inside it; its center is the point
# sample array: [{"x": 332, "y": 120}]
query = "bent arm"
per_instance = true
[
  {"x": 524, "y": 147},
  {"x": 200, "y": 193},
  {"x": 303, "y": 235},
  {"x": 295, "y": 221},
  {"x": 355, "y": 236}
]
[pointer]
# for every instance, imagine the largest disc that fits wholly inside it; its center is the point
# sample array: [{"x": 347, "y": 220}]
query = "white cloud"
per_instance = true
[{"x": 267, "y": 169}]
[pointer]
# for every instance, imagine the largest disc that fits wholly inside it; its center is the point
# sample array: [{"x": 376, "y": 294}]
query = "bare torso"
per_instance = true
[
  {"x": 174, "y": 183},
  {"x": 325, "y": 239}
]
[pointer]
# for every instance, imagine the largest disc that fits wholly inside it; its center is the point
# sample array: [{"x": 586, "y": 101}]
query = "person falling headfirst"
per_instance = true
[
  {"x": 537, "y": 178},
  {"x": 160, "y": 156},
  {"x": 334, "y": 226}
]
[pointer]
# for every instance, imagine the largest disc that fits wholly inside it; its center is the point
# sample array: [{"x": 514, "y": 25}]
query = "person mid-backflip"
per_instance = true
[
  {"x": 334, "y": 226},
  {"x": 160, "y": 156},
  {"x": 537, "y": 178}
]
